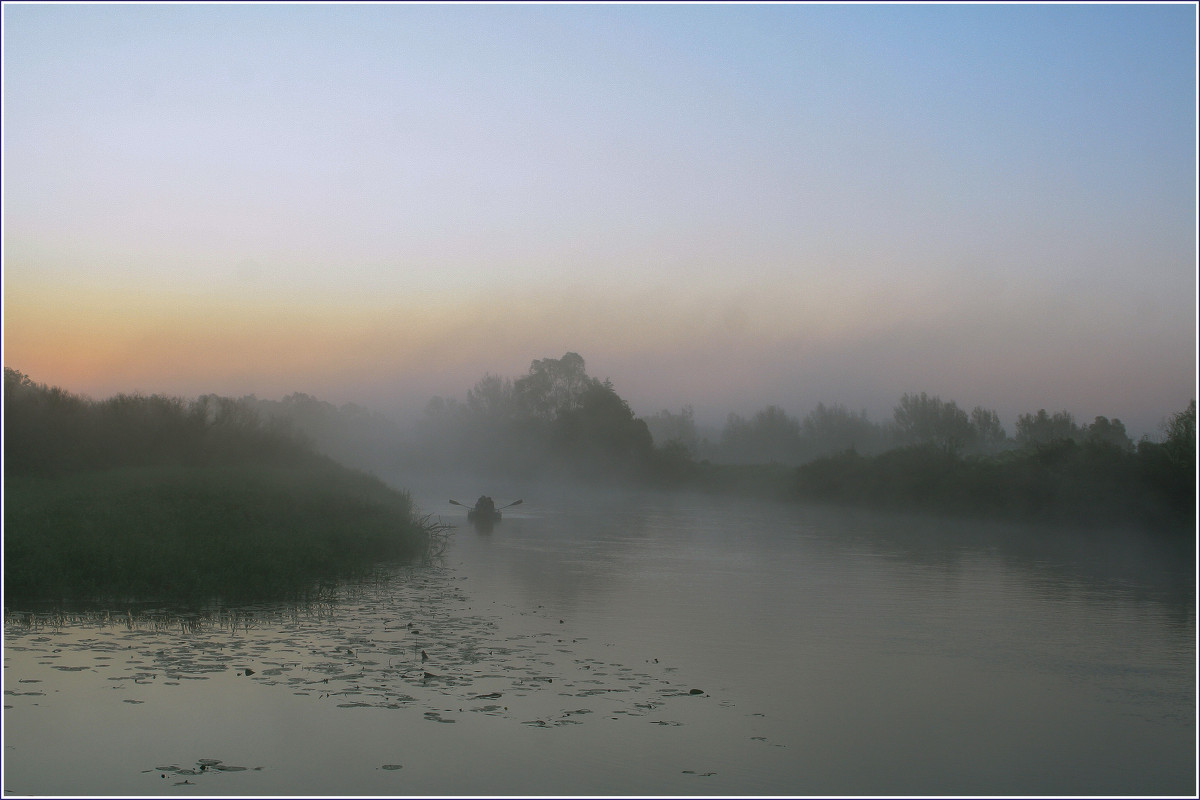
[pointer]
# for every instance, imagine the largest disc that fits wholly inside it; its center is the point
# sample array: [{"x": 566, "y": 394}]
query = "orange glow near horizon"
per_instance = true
[
  {"x": 99, "y": 341},
  {"x": 731, "y": 351}
]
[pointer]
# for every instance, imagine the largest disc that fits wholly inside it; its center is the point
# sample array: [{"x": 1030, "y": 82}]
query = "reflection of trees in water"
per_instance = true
[
  {"x": 183, "y": 622},
  {"x": 327, "y": 601},
  {"x": 588, "y": 550},
  {"x": 1057, "y": 563}
]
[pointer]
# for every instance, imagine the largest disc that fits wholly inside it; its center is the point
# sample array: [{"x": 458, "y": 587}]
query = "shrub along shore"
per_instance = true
[
  {"x": 151, "y": 498},
  {"x": 147, "y": 498}
]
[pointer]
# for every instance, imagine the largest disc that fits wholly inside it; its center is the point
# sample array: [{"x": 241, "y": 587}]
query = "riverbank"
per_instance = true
[
  {"x": 177, "y": 533},
  {"x": 157, "y": 498},
  {"x": 1063, "y": 483}
]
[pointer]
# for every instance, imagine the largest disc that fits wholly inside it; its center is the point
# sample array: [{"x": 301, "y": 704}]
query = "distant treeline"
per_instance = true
[
  {"x": 558, "y": 421},
  {"x": 772, "y": 435},
  {"x": 1089, "y": 482},
  {"x": 155, "y": 497},
  {"x": 51, "y": 432},
  {"x": 931, "y": 456}
]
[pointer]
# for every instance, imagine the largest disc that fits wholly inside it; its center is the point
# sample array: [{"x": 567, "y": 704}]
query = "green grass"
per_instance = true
[{"x": 150, "y": 533}]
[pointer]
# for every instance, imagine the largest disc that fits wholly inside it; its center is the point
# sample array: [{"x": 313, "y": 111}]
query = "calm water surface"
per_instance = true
[{"x": 642, "y": 645}]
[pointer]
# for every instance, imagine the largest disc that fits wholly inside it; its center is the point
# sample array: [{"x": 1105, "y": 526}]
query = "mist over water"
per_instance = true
[
  {"x": 630, "y": 643},
  {"x": 880, "y": 477}
]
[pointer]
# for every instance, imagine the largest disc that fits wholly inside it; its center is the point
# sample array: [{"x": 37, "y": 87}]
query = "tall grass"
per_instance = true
[{"x": 151, "y": 498}]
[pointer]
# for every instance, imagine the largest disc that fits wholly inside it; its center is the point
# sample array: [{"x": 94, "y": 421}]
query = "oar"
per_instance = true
[{"x": 510, "y": 505}]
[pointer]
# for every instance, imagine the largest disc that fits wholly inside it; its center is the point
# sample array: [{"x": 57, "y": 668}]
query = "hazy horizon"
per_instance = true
[{"x": 719, "y": 206}]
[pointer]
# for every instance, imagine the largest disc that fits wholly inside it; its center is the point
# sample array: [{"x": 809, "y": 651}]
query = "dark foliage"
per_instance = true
[
  {"x": 554, "y": 420},
  {"x": 198, "y": 532},
  {"x": 932, "y": 456},
  {"x": 156, "y": 498},
  {"x": 48, "y": 431},
  {"x": 1093, "y": 482}
]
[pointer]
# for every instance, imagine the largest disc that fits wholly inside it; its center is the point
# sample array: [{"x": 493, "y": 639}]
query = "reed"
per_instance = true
[{"x": 175, "y": 533}]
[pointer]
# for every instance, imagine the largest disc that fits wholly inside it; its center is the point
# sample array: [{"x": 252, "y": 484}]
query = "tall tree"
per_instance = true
[
  {"x": 989, "y": 433},
  {"x": 492, "y": 399},
  {"x": 553, "y": 386},
  {"x": 1110, "y": 432},
  {"x": 1180, "y": 442},
  {"x": 834, "y": 429},
  {"x": 601, "y": 431},
  {"x": 920, "y": 418},
  {"x": 770, "y": 435},
  {"x": 1043, "y": 428}
]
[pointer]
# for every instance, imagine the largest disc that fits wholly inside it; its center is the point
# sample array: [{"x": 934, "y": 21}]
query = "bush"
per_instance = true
[
  {"x": 1089, "y": 483},
  {"x": 155, "y": 498},
  {"x": 193, "y": 532}
]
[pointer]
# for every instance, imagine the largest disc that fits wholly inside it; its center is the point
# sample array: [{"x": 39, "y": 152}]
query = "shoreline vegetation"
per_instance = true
[
  {"x": 931, "y": 457},
  {"x": 158, "y": 498},
  {"x": 155, "y": 499}
]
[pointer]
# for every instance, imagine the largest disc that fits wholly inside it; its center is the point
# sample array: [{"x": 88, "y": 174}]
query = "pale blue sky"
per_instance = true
[{"x": 727, "y": 206}]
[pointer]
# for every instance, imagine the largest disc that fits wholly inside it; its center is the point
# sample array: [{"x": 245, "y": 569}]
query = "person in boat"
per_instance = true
[{"x": 485, "y": 506}]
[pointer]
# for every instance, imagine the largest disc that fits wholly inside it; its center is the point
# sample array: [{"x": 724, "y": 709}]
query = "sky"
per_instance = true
[{"x": 722, "y": 206}]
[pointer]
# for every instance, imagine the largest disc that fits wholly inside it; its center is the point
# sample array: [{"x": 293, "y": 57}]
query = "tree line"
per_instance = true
[
  {"x": 931, "y": 455},
  {"x": 557, "y": 420},
  {"x": 49, "y": 431},
  {"x": 772, "y": 435}
]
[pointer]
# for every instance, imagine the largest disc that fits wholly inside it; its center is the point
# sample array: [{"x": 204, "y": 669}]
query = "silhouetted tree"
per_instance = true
[
  {"x": 921, "y": 419},
  {"x": 1042, "y": 428},
  {"x": 601, "y": 432},
  {"x": 51, "y": 431},
  {"x": 492, "y": 400},
  {"x": 552, "y": 386},
  {"x": 989, "y": 434},
  {"x": 1180, "y": 441},
  {"x": 1108, "y": 432},
  {"x": 834, "y": 429},
  {"x": 770, "y": 435}
]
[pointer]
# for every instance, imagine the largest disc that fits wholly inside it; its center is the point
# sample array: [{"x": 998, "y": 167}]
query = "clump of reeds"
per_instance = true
[{"x": 149, "y": 498}]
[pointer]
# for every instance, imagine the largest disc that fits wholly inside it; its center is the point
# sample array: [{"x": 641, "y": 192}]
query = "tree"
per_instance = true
[
  {"x": 770, "y": 435},
  {"x": 553, "y": 386},
  {"x": 924, "y": 419},
  {"x": 1042, "y": 428},
  {"x": 1180, "y": 441},
  {"x": 601, "y": 433},
  {"x": 834, "y": 429},
  {"x": 989, "y": 434},
  {"x": 492, "y": 399},
  {"x": 1104, "y": 431}
]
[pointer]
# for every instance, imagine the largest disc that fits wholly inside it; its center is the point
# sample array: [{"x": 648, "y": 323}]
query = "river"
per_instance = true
[{"x": 600, "y": 644}]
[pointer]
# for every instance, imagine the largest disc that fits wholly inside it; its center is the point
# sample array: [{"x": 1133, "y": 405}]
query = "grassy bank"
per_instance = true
[
  {"x": 150, "y": 498},
  {"x": 199, "y": 532}
]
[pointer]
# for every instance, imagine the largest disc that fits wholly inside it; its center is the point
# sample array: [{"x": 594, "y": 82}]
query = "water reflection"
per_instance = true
[
  {"x": 410, "y": 644},
  {"x": 642, "y": 645}
]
